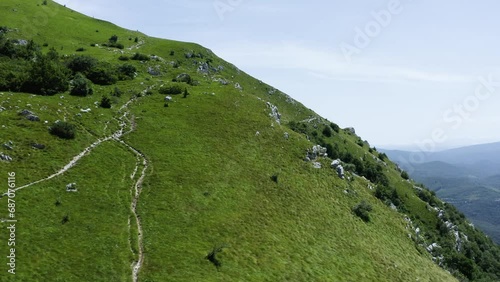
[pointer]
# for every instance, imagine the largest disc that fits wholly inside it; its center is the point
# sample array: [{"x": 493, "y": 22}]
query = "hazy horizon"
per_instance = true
[{"x": 402, "y": 73}]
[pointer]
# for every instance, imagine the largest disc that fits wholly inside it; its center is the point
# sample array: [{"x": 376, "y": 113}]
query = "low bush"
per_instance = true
[
  {"x": 103, "y": 74},
  {"x": 116, "y": 92},
  {"x": 362, "y": 210},
  {"x": 63, "y": 130},
  {"x": 140, "y": 57},
  {"x": 105, "y": 102},
  {"x": 405, "y": 175},
  {"x": 274, "y": 178},
  {"x": 335, "y": 127},
  {"x": 170, "y": 89},
  {"x": 81, "y": 86},
  {"x": 327, "y": 131},
  {"x": 82, "y": 64},
  {"x": 126, "y": 71}
]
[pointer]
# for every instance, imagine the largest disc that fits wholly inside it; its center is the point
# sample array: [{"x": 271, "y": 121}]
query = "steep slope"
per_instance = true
[{"x": 226, "y": 193}]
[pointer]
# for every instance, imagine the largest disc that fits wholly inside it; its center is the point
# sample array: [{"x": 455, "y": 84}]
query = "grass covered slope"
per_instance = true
[
  {"x": 211, "y": 187},
  {"x": 227, "y": 195}
]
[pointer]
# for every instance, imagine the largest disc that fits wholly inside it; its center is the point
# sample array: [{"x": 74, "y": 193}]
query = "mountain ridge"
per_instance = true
[{"x": 226, "y": 193}]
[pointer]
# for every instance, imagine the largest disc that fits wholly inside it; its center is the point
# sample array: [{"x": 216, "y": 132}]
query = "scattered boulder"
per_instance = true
[
  {"x": 87, "y": 110},
  {"x": 8, "y": 146},
  {"x": 222, "y": 81},
  {"x": 238, "y": 86},
  {"x": 6, "y": 158},
  {"x": 340, "y": 171},
  {"x": 155, "y": 71},
  {"x": 335, "y": 163},
  {"x": 316, "y": 165},
  {"x": 274, "y": 112},
  {"x": 320, "y": 151},
  {"x": 168, "y": 98},
  {"x": 29, "y": 115},
  {"x": 350, "y": 130},
  {"x": 33, "y": 118},
  {"x": 71, "y": 187},
  {"x": 271, "y": 91},
  {"x": 26, "y": 113},
  {"x": 286, "y": 135},
  {"x": 432, "y": 247},
  {"x": 316, "y": 152},
  {"x": 204, "y": 68},
  {"x": 38, "y": 146}
]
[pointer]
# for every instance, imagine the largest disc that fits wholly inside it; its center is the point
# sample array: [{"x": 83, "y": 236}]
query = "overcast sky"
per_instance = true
[{"x": 402, "y": 73}]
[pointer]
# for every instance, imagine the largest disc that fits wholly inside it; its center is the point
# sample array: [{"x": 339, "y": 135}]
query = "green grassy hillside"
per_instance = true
[{"x": 204, "y": 186}]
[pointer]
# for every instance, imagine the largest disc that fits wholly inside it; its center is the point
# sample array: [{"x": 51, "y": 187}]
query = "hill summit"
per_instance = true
[{"x": 132, "y": 158}]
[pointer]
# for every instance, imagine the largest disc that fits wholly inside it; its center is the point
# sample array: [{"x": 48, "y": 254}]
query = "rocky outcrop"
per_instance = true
[
  {"x": 71, "y": 187},
  {"x": 6, "y": 158},
  {"x": 275, "y": 114},
  {"x": 316, "y": 152},
  {"x": 38, "y": 146},
  {"x": 154, "y": 71},
  {"x": 29, "y": 115},
  {"x": 337, "y": 165},
  {"x": 350, "y": 130}
]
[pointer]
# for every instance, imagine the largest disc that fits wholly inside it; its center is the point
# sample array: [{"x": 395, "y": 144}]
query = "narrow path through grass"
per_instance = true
[{"x": 124, "y": 122}]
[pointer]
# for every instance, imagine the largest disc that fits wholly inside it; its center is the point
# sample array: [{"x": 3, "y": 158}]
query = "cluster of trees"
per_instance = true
[{"x": 24, "y": 68}]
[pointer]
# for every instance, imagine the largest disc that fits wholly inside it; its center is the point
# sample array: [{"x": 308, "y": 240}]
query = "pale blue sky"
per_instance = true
[{"x": 412, "y": 77}]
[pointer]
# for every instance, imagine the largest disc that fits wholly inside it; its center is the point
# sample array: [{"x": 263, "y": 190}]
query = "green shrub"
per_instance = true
[
  {"x": 82, "y": 64},
  {"x": 388, "y": 195},
  {"x": 140, "y": 57},
  {"x": 113, "y": 39},
  {"x": 103, "y": 74},
  {"x": 360, "y": 143},
  {"x": 327, "y": 132},
  {"x": 362, "y": 210},
  {"x": 124, "y": 58},
  {"x": 383, "y": 156},
  {"x": 332, "y": 150},
  {"x": 47, "y": 75},
  {"x": 170, "y": 89},
  {"x": 81, "y": 86},
  {"x": 105, "y": 102},
  {"x": 126, "y": 71},
  {"x": 63, "y": 130},
  {"x": 274, "y": 178},
  {"x": 81, "y": 49},
  {"x": 405, "y": 175},
  {"x": 183, "y": 77},
  {"x": 116, "y": 92},
  {"x": 335, "y": 127},
  {"x": 212, "y": 257}
]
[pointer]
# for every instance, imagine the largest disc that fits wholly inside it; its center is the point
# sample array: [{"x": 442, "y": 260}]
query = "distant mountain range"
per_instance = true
[{"x": 467, "y": 177}]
